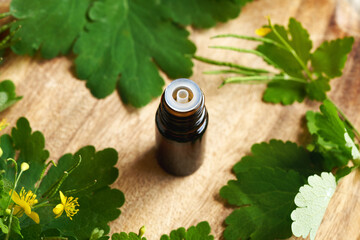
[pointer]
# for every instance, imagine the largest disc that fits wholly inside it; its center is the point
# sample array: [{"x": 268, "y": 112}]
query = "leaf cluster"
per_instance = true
[
  {"x": 118, "y": 44},
  {"x": 300, "y": 72},
  {"x": 268, "y": 180},
  {"x": 86, "y": 175}
]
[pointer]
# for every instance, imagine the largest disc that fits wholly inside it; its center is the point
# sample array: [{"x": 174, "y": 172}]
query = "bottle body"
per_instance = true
[{"x": 180, "y": 132}]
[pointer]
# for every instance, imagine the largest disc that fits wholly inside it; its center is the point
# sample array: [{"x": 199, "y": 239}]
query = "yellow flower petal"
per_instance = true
[
  {"x": 262, "y": 31},
  {"x": 58, "y": 210},
  {"x": 62, "y": 198},
  {"x": 34, "y": 216},
  {"x": 24, "y": 205}
]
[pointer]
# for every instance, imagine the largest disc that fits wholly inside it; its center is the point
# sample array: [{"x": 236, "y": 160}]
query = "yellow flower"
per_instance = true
[
  {"x": 24, "y": 203},
  {"x": 262, "y": 31},
  {"x": 68, "y": 204},
  {"x": 3, "y": 124}
]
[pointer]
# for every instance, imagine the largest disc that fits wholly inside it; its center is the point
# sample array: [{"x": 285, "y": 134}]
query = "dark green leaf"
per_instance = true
[
  {"x": 285, "y": 92},
  {"x": 15, "y": 228},
  {"x": 316, "y": 90},
  {"x": 331, "y": 56},
  {"x": 125, "y": 236},
  {"x": 129, "y": 36},
  {"x": 50, "y": 25},
  {"x": 200, "y": 231},
  {"x": 98, "y": 203},
  {"x": 267, "y": 182},
  {"x": 7, "y": 94},
  {"x": 328, "y": 132},
  {"x": 202, "y": 13}
]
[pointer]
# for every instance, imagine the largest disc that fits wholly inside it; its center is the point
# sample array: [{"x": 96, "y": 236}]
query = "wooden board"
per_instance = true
[{"x": 60, "y": 106}]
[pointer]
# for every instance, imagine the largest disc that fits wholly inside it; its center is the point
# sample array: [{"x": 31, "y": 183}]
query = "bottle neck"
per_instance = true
[{"x": 181, "y": 126}]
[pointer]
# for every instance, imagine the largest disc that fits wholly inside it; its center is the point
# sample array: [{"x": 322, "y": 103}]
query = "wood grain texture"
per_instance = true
[{"x": 60, "y": 106}]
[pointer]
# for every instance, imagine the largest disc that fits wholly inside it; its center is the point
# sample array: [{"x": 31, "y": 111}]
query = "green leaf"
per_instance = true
[
  {"x": 202, "y": 13},
  {"x": 312, "y": 201},
  {"x": 15, "y": 228},
  {"x": 300, "y": 40},
  {"x": 330, "y": 57},
  {"x": 31, "y": 147},
  {"x": 31, "y": 232},
  {"x": 50, "y": 26},
  {"x": 128, "y": 38},
  {"x": 333, "y": 138},
  {"x": 267, "y": 182},
  {"x": 98, "y": 203},
  {"x": 280, "y": 57},
  {"x": 316, "y": 90},
  {"x": 89, "y": 182},
  {"x": 125, "y": 236},
  {"x": 200, "y": 231},
  {"x": 3, "y": 227},
  {"x": 285, "y": 92},
  {"x": 7, "y": 94}
]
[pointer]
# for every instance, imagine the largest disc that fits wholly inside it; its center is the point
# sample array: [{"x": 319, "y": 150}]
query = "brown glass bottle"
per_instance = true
[{"x": 181, "y": 121}]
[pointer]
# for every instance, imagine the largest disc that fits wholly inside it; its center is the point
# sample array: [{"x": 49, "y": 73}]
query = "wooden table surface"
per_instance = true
[{"x": 61, "y": 107}]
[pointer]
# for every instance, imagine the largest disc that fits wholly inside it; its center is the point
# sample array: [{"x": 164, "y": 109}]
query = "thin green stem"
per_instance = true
[
  {"x": 257, "y": 53},
  {"x": 261, "y": 79},
  {"x": 291, "y": 50},
  {"x": 229, "y": 64},
  {"x": 257, "y": 39},
  {"x": 225, "y": 71},
  {"x": 5, "y": 14},
  {"x": 344, "y": 117},
  {"x": 10, "y": 222}
]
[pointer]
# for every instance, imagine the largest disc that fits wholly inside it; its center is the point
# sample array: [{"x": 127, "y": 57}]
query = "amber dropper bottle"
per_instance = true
[{"x": 181, "y": 121}]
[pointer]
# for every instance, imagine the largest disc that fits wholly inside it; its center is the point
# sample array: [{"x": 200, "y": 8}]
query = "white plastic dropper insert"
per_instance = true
[{"x": 183, "y": 95}]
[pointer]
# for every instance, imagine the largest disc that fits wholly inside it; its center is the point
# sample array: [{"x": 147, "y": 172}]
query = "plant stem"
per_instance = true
[
  {"x": 257, "y": 53},
  {"x": 5, "y": 14},
  {"x": 229, "y": 64},
  {"x": 9, "y": 228},
  {"x": 291, "y": 50},
  {"x": 343, "y": 116},
  {"x": 262, "y": 79},
  {"x": 257, "y": 39}
]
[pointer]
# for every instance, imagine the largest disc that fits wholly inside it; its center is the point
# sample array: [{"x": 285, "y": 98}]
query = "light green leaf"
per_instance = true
[
  {"x": 125, "y": 236},
  {"x": 312, "y": 201},
  {"x": 330, "y": 57},
  {"x": 7, "y": 94}
]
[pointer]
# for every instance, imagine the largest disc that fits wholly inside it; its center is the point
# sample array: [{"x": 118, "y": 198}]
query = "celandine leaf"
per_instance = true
[
  {"x": 125, "y": 236},
  {"x": 7, "y": 94},
  {"x": 312, "y": 201},
  {"x": 98, "y": 203},
  {"x": 265, "y": 188},
  {"x": 127, "y": 38},
  {"x": 285, "y": 92},
  {"x": 31, "y": 147},
  {"x": 200, "y": 231},
  {"x": 50, "y": 26},
  {"x": 330, "y": 57},
  {"x": 202, "y": 13}
]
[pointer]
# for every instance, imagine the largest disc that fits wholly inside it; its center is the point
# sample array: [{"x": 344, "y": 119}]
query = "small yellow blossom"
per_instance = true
[
  {"x": 262, "y": 31},
  {"x": 23, "y": 203},
  {"x": 68, "y": 204},
  {"x": 3, "y": 124}
]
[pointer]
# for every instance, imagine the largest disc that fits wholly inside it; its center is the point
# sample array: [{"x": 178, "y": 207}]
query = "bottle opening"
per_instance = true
[{"x": 183, "y": 95}]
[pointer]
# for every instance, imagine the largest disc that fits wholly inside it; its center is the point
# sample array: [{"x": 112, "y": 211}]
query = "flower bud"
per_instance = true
[{"x": 24, "y": 166}]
